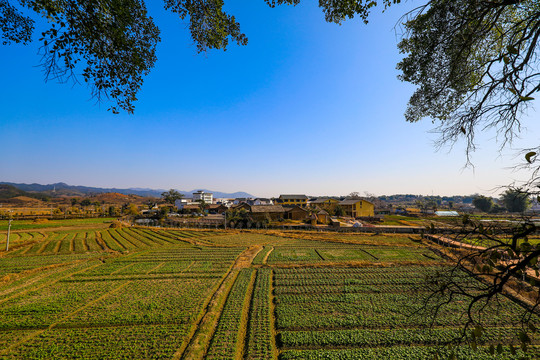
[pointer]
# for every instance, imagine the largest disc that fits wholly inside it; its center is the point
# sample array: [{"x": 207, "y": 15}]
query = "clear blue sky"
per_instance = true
[{"x": 306, "y": 107}]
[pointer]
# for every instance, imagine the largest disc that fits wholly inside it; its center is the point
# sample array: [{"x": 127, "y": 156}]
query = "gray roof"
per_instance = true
[
  {"x": 303, "y": 197},
  {"x": 267, "y": 208},
  {"x": 353, "y": 201},
  {"x": 349, "y": 202},
  {"x": 321, "y": 200},
  {"x": 296, "y": 207}
]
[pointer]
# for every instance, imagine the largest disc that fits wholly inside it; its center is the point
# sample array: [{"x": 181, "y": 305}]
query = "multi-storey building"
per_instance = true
[
  {"x": 291, "y": 200},
  {"x": 203, "y": 196}
]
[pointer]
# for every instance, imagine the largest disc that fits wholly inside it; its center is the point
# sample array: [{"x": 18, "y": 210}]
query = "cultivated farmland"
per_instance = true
[{"x": 143, "y": 293}]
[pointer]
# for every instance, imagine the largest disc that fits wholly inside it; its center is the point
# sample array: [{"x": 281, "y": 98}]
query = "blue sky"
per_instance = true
[{"x": 306, "y": 107}]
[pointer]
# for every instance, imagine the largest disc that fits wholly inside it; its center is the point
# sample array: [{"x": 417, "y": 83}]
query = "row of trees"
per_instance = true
[{"x": 512, "y": 200}]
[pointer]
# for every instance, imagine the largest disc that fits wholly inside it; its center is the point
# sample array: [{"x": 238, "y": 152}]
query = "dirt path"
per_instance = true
[{"x": 245, "y": 259}]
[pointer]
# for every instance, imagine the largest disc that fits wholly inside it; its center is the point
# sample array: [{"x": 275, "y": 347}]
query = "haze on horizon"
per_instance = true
[{"x": 306, "y": 107}]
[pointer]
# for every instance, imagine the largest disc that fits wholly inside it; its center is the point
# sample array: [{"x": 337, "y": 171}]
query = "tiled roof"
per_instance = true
[
  {"x": 267, "y": 208},
  {"x": 302, "y": 197}
]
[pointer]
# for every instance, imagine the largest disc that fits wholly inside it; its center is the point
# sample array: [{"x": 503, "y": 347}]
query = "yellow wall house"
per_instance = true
[
  {"x": 357, "y": 208},
  {"x": 291, "y": 200},
  {"x": 325, "y": 203}
]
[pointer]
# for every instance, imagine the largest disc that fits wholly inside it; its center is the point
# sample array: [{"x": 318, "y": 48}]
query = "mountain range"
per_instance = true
[{"x": 63, "y": 189}]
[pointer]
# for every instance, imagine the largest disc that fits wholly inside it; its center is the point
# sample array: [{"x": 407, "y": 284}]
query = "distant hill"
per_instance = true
[
  {"x": 63, "y": 189},
  {"x": 10, "y": 192}
]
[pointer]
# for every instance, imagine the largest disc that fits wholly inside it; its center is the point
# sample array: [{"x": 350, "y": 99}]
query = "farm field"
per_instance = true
[
  {"x": 31, "y": 224},
  {"x": 146, "y": 293}
]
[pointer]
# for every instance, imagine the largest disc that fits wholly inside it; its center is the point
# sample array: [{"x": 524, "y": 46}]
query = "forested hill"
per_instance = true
[{"x": 59, "y": 189}]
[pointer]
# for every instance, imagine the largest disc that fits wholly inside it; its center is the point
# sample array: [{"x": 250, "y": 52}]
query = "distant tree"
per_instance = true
[
  {"x": 74, "y": 201},
  {"x": 421, "y": 205},
  {"x": 338, "y": 211},
  {"x": 86, "y": 202},
  {"x": 202, "y": 206},
  {"x": 496, "y": 209},
  {"x": 516, "y": 200},
  {"x": 450, "y": 204},
  {"x": 483, "y": 203},
  {"x": 130, "y": 209},
  {"x": 112, "y": 211},
  {"x": 150, "y": 204},
  {"x": 354, "y": 195},
  {"x": 171, "y": 196},
  {"x": 431, "y": 205},
  {"x": 163, "y": 212}
]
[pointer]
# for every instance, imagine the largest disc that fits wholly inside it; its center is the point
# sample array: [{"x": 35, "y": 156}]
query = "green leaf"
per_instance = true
[
  {"x": 506, "y": 60},
  {"x": 463, "y": 130},
  {"x": 532, "y": 327},
  {"x": 512, "y": 91},
  {"x": 526, "y": 98},
  {"x": 499, "y": 349},
  {"x": 492, "y": 349},
  {"x": 529, "y": 155}
]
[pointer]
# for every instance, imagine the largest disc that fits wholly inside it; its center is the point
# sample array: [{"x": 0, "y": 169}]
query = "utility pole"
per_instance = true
[
  {"x": 8, "y": 231},
  {"x": 225, "y": 219}
]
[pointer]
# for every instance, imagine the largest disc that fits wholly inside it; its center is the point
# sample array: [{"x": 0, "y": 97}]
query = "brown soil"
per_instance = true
[{"x": 245, "y": 258}]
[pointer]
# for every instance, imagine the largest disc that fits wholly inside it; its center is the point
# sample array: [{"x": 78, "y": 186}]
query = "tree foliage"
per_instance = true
[
  {"x": 475, "y": 64},
  {"x": 483, "y": 203},
  {"x": 516, "y": 200},
  {"x": 171, "y": 196}
]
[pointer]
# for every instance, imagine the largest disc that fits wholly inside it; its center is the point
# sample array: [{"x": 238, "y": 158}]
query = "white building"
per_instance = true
[
  {"x": 179, "y": 203},
  {"x": 203, "y": 196}
]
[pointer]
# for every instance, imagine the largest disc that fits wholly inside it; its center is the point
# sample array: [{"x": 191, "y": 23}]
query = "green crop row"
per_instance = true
[
  {"x": 406, "y": 353},
  {"x": 226, "y": 342},
  {"x": 258, "y": 260},
  {"x": 127, "y": 342},
  {"x": 389, "y": 337},
  {"x": 259, "y": 345}
]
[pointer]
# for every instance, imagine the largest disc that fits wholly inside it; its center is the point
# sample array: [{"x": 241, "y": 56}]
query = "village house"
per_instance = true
[
  {"x": 357, "y": 208},
  {"x": 324, "y": 203},
  {"x": 296, "y": 213},
  {"x": 216, "y": 208},
  {"x": 180, "y": 203},
  {"x": 323, "y": 217},
  {"x": 292, "y": 200},
  {"x": 250, "y": 201},
  {"x": 262, "y": 212},
  {"x": 239, "y": 201},
  {"x": 262, "y": 201}
]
